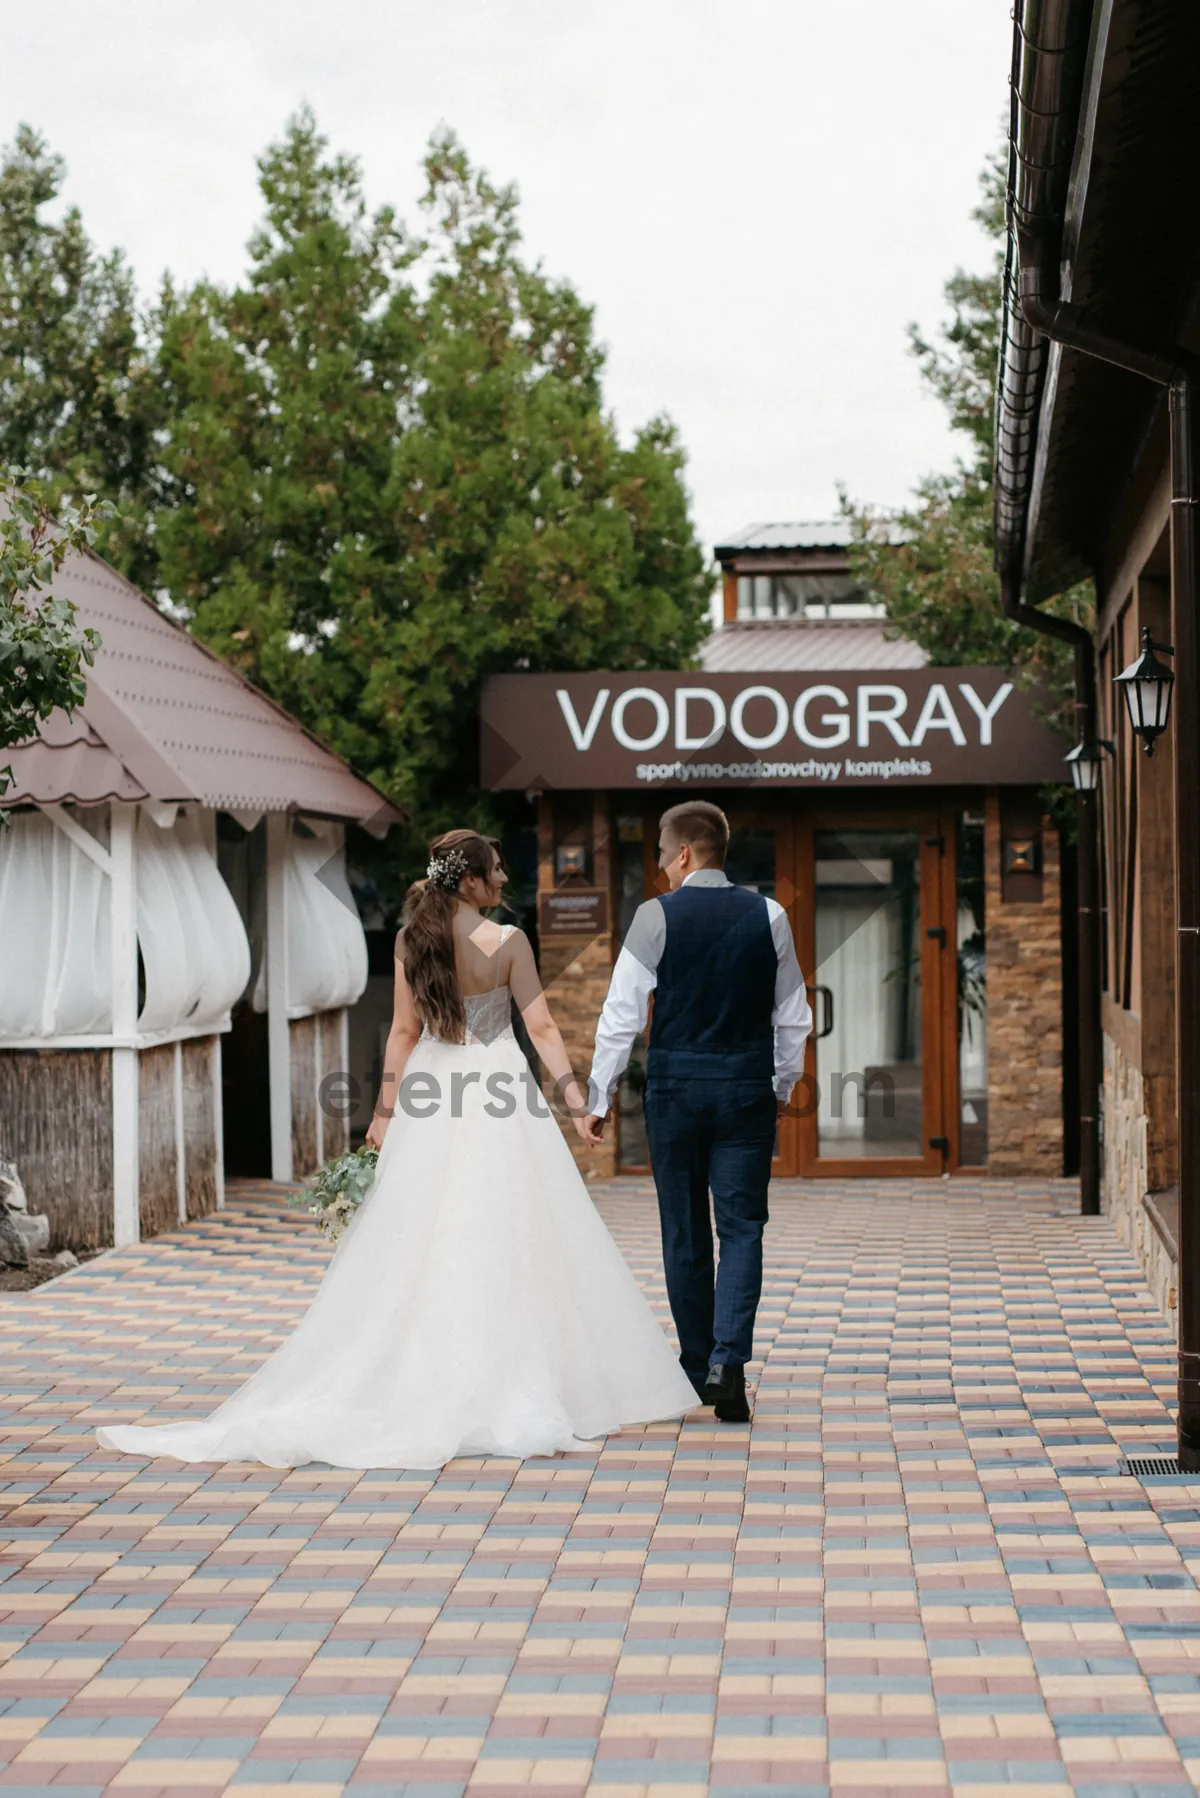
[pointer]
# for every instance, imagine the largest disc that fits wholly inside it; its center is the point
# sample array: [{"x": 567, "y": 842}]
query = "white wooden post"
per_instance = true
[
  {"x": 180, "y": 1135},
  {"x": 123, "y": 923},
  {"x": 279, "y": 1049},
  {"x": 208, "y": 824},
  {"x": 344, "y": 1062},
  {"x": 318, "y": 1058},
  {"x": 218, "y": 1115}
]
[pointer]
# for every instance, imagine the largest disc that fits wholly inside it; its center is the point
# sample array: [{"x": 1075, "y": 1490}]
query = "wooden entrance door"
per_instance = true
[{"x": 875, "y": 930}]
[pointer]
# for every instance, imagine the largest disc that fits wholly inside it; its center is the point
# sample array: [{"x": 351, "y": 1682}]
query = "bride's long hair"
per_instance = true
[{"x": 428, "y": 930}]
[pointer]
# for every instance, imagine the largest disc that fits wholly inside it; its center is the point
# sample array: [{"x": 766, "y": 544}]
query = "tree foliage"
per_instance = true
[
  {"x": 379, "y": 466},
  {"x": 78, "y": 404},
  {"x": 42, "y": 653},
  {"x": 930, "y": 563}
]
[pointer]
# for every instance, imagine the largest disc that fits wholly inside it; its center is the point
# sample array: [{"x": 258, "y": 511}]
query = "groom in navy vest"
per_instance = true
[{"x": 726, "y": 1047}]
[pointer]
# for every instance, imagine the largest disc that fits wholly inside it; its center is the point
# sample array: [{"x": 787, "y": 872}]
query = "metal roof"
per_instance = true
[
  {"x": 69, "y": 760},
  {"x": 166, "y": 718},
  {"x": 777, "y": 647},
  {"x": 833, "y": 533}
]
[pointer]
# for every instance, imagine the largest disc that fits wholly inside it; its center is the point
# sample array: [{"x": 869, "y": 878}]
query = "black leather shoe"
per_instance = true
[{"x": 725, "y": 1391}]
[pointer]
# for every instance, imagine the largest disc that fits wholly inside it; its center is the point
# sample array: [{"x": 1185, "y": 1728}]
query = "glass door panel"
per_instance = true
[
  {"x": 971, "y": 935},
  {"x": 751, "y": 857},
  {"x": 868, "y": 1003},
  {"x": 758, "y": 858}
]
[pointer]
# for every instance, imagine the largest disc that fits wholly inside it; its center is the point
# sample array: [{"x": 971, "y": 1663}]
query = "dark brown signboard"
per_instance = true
[
  {"x": 911, "y": 728},
  {"x": 573, "y": 911}
]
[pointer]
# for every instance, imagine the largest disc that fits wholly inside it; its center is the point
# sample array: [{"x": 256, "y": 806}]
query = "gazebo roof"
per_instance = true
[{"x": 166, "y": 719}]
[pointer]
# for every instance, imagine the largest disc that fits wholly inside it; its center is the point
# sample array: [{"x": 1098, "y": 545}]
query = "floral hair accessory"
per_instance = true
[{"x": 447, "y": 870}]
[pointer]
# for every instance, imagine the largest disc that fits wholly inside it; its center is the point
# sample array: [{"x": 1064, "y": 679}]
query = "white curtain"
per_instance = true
[
  {"x": 194, "y": 950},
  {"x": 858, "y": 941},
  {"x": 972, "y": 1068},
  {"x": 55, "y": 968},
  {"x": 327, "y": 950},
  {"x": 55, "y": 975}
]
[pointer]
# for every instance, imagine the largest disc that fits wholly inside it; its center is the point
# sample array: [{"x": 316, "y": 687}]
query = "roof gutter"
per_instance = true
[
  {"x": 1049, "y": 40},
  {"x": 1049, "y": 43},
  {"x": 1048, "y": 36}
]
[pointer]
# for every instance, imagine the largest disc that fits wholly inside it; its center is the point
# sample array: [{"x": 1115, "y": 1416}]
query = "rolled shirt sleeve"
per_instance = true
[
  {"x": 792, "y": 1017},
  {"x": 627, "y": 1006}
]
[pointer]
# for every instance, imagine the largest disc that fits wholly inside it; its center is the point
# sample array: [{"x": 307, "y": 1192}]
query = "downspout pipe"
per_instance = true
[
  {"x": 1044, "y": 35},
  {"x": 1087, "y": 920}
]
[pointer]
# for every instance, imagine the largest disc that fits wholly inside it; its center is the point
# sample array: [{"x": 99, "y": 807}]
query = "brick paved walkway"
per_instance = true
[{"x": 918, "y": 1571}]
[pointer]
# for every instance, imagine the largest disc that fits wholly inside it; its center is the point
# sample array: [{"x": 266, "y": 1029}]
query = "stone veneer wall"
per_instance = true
[
  {"x": 575, "y": 975},
  {"x": 1124, "y": 1176},
  {"x": 1024, "y": 1015}
]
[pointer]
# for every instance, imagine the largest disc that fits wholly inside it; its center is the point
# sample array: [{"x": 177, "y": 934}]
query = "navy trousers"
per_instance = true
[{"x": 718, "y": 1134}]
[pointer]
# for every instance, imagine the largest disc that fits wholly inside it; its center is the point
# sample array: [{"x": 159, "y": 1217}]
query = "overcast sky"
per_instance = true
[{"x": 756, "y": 197}]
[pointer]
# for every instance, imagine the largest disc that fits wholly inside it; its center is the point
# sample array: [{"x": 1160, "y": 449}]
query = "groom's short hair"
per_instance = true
[{"x": 702, "y": 826}]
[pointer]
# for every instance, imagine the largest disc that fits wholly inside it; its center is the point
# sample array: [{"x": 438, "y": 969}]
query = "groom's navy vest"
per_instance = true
[{"x": 716, "y": 987}]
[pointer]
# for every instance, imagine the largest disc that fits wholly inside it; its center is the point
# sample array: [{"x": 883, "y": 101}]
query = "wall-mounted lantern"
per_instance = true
[
  {"x": 1085, "y": 762},
  {"x": 1022, "y": 854},
  {"x": 1147, "y": 685},
  {"x": 571, "y": 860}
]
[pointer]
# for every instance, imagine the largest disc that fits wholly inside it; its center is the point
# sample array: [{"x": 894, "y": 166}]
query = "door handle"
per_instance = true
[
  {"x": 938, "y": 933},
  {"x": 827, "y": 1009}
]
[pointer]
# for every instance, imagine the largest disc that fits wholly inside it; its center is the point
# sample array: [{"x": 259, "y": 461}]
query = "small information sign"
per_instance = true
[{"x": 573, "y": 911}]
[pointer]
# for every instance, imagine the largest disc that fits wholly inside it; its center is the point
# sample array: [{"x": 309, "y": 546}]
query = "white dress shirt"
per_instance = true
[{"x": 635, "y": 977}]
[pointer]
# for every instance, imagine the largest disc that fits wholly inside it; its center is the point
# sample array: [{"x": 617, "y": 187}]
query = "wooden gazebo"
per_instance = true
[{"x": 173, "y": 903}]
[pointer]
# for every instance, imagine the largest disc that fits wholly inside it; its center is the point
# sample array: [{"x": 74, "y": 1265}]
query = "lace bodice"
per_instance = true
[{"x": 489, "y": 1015}]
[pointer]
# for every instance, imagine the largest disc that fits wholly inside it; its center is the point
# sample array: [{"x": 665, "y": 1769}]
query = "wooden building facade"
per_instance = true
[
  {"x": 895, "y": 810},
  {"x": 1096, "y": 477}
]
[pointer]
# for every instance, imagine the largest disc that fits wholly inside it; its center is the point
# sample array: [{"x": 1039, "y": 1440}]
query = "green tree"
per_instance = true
[
  {"x": 930, "y": 563},
  {"x": 389, "y": 473},
  {"x": 284, "y": 399},
  {"x": 42, "y": 653},
  {"x": 373, "y": 471},
  {"x": 958, "y": 364},
  {"x": 78, "y": 403}
]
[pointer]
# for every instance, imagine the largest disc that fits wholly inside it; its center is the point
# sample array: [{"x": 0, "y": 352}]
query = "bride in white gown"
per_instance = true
[{"x": 476, "y": 1303}]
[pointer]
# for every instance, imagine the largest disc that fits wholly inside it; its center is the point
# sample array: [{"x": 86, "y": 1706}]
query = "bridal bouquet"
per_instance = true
[{"x": 338, "y": 1190}]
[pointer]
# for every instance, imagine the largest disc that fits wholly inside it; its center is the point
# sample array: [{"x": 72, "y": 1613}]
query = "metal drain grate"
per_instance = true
[{"x": 1149, "y": 1467}]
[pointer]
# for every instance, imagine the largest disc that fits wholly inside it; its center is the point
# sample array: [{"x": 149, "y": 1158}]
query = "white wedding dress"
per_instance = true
[{"x": 475, "y": 1305}]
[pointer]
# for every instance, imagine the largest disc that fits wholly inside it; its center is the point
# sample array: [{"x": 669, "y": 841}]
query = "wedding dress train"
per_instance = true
[{"x": 475, "y": 1305}]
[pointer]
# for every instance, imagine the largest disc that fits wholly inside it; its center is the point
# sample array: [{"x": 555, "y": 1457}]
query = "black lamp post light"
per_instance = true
[{"x": 1147, "y": 685}]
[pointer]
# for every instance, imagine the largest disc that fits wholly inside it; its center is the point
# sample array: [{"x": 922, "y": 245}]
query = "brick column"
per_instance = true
[{"x": 1024, "y": 1011}]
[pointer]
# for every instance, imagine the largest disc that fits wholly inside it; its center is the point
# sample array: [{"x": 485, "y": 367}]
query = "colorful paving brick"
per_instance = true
[{"x": 918, "y": 1571}]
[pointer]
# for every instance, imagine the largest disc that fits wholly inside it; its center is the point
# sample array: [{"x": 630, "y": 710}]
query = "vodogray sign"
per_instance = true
[{"x": 918, "y": 727}]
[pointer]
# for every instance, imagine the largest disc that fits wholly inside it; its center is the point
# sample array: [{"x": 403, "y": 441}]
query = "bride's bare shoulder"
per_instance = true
[{"x": 484, "y": 933}]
